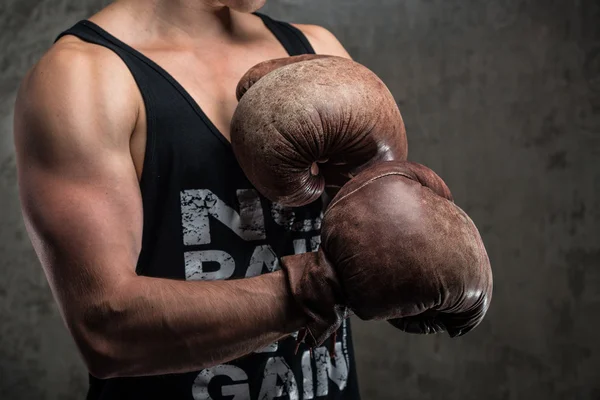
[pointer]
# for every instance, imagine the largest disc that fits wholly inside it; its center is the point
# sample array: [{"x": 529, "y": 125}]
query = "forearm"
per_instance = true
[{"x": 159, "y": 326}]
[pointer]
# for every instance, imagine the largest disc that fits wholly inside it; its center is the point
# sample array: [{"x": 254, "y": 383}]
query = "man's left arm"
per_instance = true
[{"x": 323, "y": 41}]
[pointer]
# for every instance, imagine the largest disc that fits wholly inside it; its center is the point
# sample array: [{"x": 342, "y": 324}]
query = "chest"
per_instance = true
[
  {"x": 209, "y": 76},
  {"x": 199, "y": 206}
]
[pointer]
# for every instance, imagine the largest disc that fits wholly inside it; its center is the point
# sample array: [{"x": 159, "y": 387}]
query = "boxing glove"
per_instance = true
[
  {"x": 394, "y": 247},
  {"x": 309, "y": 123},
  {"x": 403, "y": 251},
  {"x": 254, "y": 74}
]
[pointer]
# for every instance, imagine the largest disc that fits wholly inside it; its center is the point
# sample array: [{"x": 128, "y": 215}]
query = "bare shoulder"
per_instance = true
[
  {"x": 322, "y": 40},
  {"x": 73, "y": 83},
  {"x": 72, "y": 61}
]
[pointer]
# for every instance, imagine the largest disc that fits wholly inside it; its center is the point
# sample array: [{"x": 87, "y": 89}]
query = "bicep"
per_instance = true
[
  {"x": 79, "y": 191},
  {"x": 85, "y": 226}
]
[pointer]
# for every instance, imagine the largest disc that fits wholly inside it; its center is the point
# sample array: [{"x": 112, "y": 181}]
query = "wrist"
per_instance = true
[{"x": 292, "y": 316}]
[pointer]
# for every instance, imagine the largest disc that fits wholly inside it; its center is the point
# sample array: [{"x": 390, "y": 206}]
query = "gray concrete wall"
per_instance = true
[{"x": 502, "y": 98}]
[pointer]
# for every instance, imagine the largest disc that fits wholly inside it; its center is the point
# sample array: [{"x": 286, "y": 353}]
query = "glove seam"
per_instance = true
[{"x": 336, "y": 202}]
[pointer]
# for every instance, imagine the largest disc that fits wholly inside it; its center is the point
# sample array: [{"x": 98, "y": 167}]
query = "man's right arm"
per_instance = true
[{"x": 83, "y": 210}]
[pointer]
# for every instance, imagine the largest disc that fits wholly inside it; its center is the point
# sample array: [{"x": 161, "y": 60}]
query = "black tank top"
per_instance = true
[{"x": 204, "y": 220}]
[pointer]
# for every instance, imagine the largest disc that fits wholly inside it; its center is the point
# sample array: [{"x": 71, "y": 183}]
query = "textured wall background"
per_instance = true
[{"x": 501, "y": 97}]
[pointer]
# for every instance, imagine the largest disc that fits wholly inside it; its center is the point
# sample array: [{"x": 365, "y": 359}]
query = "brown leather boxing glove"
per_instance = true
[
  {"x": 394, "y": 247},
  {"x": 404, "y": 252},
  {"x": 255, "y": 73},
  {"x": 297, "y": 112}
]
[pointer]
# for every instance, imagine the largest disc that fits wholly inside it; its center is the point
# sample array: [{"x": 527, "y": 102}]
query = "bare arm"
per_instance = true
[{"x": 82, "y": 207}]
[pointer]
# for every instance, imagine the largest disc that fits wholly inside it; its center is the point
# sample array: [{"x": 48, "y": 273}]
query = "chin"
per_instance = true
[{"x": 246, "y": 6}]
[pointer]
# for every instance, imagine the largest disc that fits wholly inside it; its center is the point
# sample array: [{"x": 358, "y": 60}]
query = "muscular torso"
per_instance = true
[{"x": 207, "y": 69}]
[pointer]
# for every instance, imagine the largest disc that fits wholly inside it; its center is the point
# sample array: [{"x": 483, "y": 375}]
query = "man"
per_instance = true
[{"x": 142, "y": 219}]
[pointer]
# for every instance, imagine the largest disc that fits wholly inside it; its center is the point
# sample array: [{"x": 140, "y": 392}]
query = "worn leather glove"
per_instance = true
[{"x": 308, "y": 122}]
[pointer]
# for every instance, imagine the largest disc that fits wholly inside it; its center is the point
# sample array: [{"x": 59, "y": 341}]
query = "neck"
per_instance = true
[{"x": 186, "y": 18}]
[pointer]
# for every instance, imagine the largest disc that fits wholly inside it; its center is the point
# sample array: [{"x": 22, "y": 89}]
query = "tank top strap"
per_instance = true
[
  {"x": 92, "y": 33},
  {"x": 292, "y": 38}
]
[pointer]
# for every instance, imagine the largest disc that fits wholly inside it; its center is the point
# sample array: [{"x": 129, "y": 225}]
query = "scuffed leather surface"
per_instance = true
[
  {"x": 404, "y": 251},
  {"x": 315, "y": 287},
  {"x": 254, "y": 74},
  {"x": 394, "y": 247},
  {"x": 332, "y": 111}
]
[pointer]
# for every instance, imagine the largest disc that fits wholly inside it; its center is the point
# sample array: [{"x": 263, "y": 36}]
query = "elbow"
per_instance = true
[
  {"x": 100, "y": 343},
  {"x": 99, "y": 363},
  {"x": 100, "y": 354}
]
